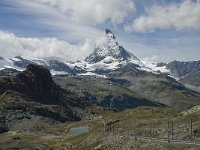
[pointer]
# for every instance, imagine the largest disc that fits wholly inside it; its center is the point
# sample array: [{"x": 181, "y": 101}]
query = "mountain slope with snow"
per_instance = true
[
  {"x": 108, "y": 46},
  {"x": 107, "y": 56},
  {"x": 110, "y": 61}
]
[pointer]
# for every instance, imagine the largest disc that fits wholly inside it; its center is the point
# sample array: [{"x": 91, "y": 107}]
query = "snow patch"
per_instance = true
[
  {"x": 152, "y": 66},
  {"x": 93, "y": 74}
]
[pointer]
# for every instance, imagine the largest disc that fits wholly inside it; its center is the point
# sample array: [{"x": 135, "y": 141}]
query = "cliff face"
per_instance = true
[{"x": 37, "y": 83}]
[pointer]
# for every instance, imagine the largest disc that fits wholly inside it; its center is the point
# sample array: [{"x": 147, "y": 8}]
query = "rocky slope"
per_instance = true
[
  {"x": 33, "y": 93},
  {"x": 131, "y": 89},
  {"x": 186, "y": 73},
  {"x": 180, "y": 69},
  {"x": 192, "y": 80},
  {"x": 106, "y": 92}
]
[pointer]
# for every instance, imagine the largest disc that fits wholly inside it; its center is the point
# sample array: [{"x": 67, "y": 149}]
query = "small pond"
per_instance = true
[{"x": 78, "y": 130}]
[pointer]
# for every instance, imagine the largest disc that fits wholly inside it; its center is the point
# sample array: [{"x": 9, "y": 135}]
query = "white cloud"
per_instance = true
[
  {"x": 153, "y": 59},
  {"x": 12, "y": 45},
  {"x": 90, "y": 12},
  {"x": 72, "y": 20},
  {"x": 181, "y": 16}
]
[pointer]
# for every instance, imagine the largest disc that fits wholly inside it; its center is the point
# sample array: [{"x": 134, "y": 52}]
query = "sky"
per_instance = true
[{"x": 156, "y": 30}]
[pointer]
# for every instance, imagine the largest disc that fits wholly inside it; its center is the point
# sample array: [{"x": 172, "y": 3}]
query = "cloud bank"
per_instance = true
[
  {"x": 89, "y": 12},
  {"x": 71, "y": 20},
  {"x": 181, "y": 16},
  {"x": 76, "y": 21},
  {"x": 12, "y": 45}
]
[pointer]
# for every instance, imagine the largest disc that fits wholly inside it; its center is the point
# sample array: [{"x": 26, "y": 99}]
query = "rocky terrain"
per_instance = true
[
  {"x": 192, "y": 80},
  {"x": 110, "y": 93},
  {"x": 186, "y": 73},
  {"x": 180, "y": 69},
  {"x": 131, "y": 91},
  {"x": 138, "y": 128},
  {"x": 33, "y": 93}
]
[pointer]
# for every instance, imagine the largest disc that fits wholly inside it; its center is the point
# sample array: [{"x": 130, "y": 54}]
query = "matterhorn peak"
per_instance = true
[{"x": 108, "y": 47}]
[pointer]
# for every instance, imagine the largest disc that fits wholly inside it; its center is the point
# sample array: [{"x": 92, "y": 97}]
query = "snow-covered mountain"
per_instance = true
[
  {"x": 107, "y": 49},
  {"x": 19, "y": 63},
  {"x": 107, "y": 56}
]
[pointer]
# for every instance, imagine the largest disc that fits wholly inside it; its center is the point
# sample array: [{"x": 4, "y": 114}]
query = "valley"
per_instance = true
[{"x": 129, "y": 127}]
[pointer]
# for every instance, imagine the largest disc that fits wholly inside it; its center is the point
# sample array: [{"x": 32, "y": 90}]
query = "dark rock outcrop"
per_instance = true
[
  {"x": 37, "y": 83},
  {"x": 33, "y": 91}
]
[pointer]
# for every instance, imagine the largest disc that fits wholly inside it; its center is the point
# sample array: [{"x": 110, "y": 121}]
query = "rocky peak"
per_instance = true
[
  {"x": 36, "y": 81},
  {"x": 109, "y": 33},
  {"x": 39, "y": 73},
  {"x": 19, "y": 57},
  {"x": 1, "y": 58},
  {"x": 107, "y": 46}
]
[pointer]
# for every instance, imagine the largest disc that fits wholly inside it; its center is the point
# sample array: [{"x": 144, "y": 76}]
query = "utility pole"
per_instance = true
[
  {"x": 153, "y": 128},
  {"x": 150, "y": 129},
  {"x": 136, "y": 126},
  {"x": 191, "y": 129},
  {"x": 172, "y": 129},
  {"x": 168, "y": 137}
]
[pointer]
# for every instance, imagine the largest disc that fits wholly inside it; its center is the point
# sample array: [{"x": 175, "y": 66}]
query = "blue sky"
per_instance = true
[{"x": 158, "y": 30}]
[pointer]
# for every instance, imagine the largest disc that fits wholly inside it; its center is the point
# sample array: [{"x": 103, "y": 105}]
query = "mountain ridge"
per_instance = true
[{"x": 108, "y": 56}]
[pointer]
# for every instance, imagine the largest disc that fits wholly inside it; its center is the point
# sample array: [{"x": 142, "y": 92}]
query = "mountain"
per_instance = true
[
  {"x": 107, "y": 50},
  {"x": 138, "y": 82},
  {"x": 192, "y": 80},
  {"x": 129, "y": 88},
  {"x": 186, "y": 73},
  {"x": 180, "y": 69},
  {"x": 147, "y": 81},
  {"x": 108, "y": 55},
  {"x": 105, "y": 92},
  {"x": 111, "y": 74}
]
